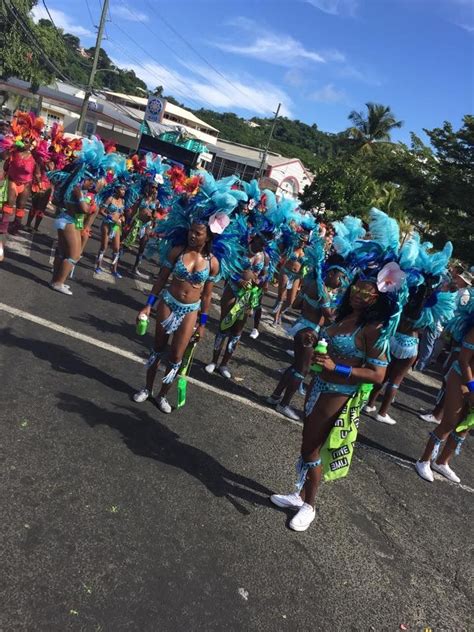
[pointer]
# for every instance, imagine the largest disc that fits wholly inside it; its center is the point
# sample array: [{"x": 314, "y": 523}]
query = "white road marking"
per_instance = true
[
  {"x": 21, "y": 244},
  {"x": 105, "y": 277},
  {"x": 51, "y": 255},
  {"x": 143, "y": 286},
  {"x": 208, "y": 387}
]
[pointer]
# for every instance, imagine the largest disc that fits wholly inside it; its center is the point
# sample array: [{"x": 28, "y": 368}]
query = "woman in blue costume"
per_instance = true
[
  {"x": 291, "y": 274},
  {"x": 425, "y": 307},
  {"x": 458, "y": 404},
  {"x": 357, "y": 341},
  {"x": 73, "y": 197},
  {"x": 255, "y": 275},
  {"x": 112, "y": 213},
  {"x": 319, "y": 302},
  {"x": 198, "y": 246},
  {"x": 250, "y": 282}
]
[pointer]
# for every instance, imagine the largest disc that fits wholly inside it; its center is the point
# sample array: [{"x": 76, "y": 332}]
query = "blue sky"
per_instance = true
[{"x": 319, "y": 58}]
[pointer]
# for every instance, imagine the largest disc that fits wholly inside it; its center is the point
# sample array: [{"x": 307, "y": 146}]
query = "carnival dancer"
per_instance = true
[
  {"x": 72, "y": 196},
  {"x": 458, "y": 410},
  {"x": 242, "y": 293},
  {"x": 357, "y": 343},
  {"x": 40, "y": 193},
  {"x": 111, "y": 227},
  {"x": 291, "y": 275},
  {"x": 197, "y": 246},
  {"x": 425, "y": 307},
  {"x": 20, "y": 168},
  {"x": 321, "y": 292}
]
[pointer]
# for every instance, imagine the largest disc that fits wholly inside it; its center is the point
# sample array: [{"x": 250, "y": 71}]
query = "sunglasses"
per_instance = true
[{"x": 362, "y": 292}]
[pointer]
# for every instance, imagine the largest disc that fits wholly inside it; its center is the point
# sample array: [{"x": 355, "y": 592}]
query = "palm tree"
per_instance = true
[{"x": 374, "y": 126}]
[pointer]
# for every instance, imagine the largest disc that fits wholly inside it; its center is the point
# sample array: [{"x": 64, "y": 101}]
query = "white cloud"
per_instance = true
[
  {"x": 467, "y": 27},
  {"x": 328, "y": 94},
  {"x": 336, "y": 7},
  {"x": 210, "y": 89},
  {"x": 124, "y": 12},
  {"x": 275, "y": 48},
  {"x": 61, "y": 20}
]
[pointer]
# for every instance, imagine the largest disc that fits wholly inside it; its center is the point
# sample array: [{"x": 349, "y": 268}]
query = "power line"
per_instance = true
[
  {"x": 180, "y": 58},
  {"x": 196, "y": 52},
  {"x": 60, "y": 33},
  {"x": 148, "y": 70},
  {"x": 90, "y": 13},
  {"x": 35, "y": 43}
]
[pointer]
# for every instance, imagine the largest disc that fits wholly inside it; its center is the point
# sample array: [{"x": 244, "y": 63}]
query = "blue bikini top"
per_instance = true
[
  {"x": 294, "y": 257},
  {"x": 343, "y": 345},
  {"x": 181, "y": 272},
  {"x": 113, "y": 208},
  {"x": 258, "y": 267},
  {"x": 148, "y": 205}
]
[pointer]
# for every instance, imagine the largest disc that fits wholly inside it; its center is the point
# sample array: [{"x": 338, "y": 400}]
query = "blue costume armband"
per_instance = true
[
  {"x": 470, "y": 386},
  {"x": 467, "y": 345},
  {"x": 151, "y": 300},
  {"x": 203, "y": 319},
  {"x": 343, "y": 369}
]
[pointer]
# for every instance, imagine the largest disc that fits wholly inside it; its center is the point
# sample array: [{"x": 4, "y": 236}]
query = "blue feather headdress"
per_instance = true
[
  {"x": 92, "y": 162},
  {"x": 463, "y": 320},
  {"x": 212, "y": 206}
]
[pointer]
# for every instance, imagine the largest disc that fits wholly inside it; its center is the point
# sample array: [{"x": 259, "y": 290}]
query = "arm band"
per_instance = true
[
  {"x": 203, "y": 319},
  {"x": 343, "y": 369},
  {"x": 151, "y": 300},
  {"x": 470, "y": 386}
]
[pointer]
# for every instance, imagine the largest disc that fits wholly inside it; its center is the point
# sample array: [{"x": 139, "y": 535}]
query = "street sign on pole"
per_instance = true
[{"x": 155, "y": 109}]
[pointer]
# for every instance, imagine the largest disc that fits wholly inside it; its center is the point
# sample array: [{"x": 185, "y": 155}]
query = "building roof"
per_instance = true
[
  {"x": 175, "y": 110},
  {"x": 171, "y": 108},
  {"x": 72, "y": 97}
]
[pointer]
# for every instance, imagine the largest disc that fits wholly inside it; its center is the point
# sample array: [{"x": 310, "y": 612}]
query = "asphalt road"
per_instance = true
[{"x": 116, "y": 517}]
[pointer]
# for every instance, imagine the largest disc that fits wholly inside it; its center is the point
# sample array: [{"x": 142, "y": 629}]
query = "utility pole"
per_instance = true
[
  {"x": 265, "y": 151},
  {"x": 90, "y": 85}
]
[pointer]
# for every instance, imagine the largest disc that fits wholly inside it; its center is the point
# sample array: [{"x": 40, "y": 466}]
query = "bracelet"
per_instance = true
[
  {"x": 151, "y": 300},
  {"x": 470, "y": 386},
  {"x": 203, "y": 319},
  {"x": 343, "y": 369}
]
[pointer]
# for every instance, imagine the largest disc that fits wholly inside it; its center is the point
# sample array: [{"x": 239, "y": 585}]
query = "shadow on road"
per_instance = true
[{"x": 148, "y": 437}]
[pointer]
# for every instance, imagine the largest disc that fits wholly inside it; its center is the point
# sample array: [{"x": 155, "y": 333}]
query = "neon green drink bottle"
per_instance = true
[
  {"x": 142, "y": 324},
  {"x": 321, "y": 347}
]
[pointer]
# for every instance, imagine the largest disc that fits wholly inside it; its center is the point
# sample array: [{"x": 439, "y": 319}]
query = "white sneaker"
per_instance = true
[
  {"x": 210, "y": 368},
  {"x": 273, "y": 401},
  {"x": 303, "y": 518},
  {"x": 254, "y": 334},
  {"x": 369, "y": 409},
  {"x": 424, "y": 470},
  {"x": 288, "y": 412},
  {"x": 431, "y": 419},
  {"x": 224, "y": 371},
  {"x": 385, "y": 419},
  {"x": 290, "y": 352},
  {"x": 141, "y": 275},
  {"x": 164, "y": 405},
  {"x": 142, "y": 396},
  {"x": 446, "y": 471},
  {"x": 60, "y": 287},
  {"x": 288, "y": 501}
]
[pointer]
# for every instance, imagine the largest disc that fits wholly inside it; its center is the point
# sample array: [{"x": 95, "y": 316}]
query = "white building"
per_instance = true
[
  {"x": 173, "y": 116},
  {"x": 286, "y": 176}
]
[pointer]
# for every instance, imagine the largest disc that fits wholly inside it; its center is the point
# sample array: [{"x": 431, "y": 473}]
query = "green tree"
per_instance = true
[
  {"x": 344, "y": 186},
  {"x": 21, "y": 43},
  {"x": 373, "y": 126}
]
